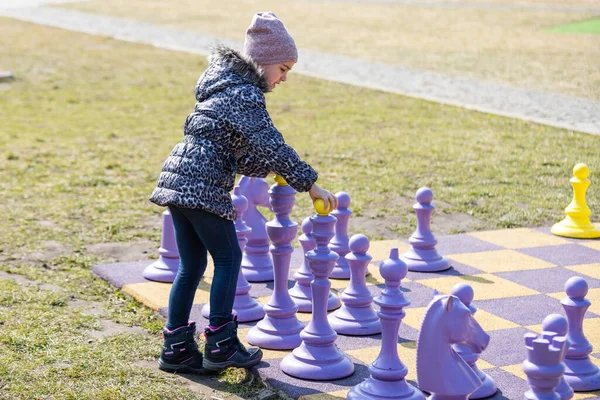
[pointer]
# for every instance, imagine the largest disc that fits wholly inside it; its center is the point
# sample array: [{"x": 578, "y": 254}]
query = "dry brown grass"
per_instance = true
[{"x": 505, "y": 46}]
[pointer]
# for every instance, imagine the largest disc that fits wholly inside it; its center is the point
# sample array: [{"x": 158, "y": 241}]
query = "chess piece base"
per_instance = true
[
  {"x": 319, "y": 363},
  {"x": 588, "y": 375},
  {"x": 425, "y": 261},
  {"x": 487, "y": 388},
  {"x": 340, "y": 272},
  {"x": 578, "y": 228},
  {"x": 302, "y": 296},
  {"x": 375, "y": 389},
  {"x": 162, "y": 270},
  {"x": 356, "y": 321},
  {"x": 276, "y": 333},
  {"x": 258, "y": 274}
]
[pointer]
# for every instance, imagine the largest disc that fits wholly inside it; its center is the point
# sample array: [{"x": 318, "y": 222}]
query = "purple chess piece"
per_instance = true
[
  {"x": 543, "y": 365},
  {"x": 317, "y": 357},
  {"x": 257, "y": 265},
  {"x": 387, "y": 372},
  {"x": 165, "y": 268},
  {"x": 580, "y": 373},
  {"x": 301, "y": 292},
  {"x": 279, "y": 329},
  {"x": 440, "y": 370},
  {"x": 558, "y": 326},
  {"x": 422, "y": 255},
  {"x": 339, "y": 243},
  {"x": 246, "y": 307},
  {"x": 465, "y": 294},
  {"x": 356, "y": 316}
]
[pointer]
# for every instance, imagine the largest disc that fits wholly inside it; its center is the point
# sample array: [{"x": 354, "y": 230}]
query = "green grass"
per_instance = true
[
  {"x": 86, "y": 126},
  {"x": 591, "y": 26}
]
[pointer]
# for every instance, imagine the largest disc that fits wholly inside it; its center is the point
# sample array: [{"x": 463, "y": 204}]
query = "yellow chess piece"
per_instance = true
[
  {"x": 280, "y": 180},
  {"x": 577, "y": 222},
  {"x": 320, "y": 207}
]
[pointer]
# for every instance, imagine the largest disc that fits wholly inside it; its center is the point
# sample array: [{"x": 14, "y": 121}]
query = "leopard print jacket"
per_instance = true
[{"x": 228, "y": 132}]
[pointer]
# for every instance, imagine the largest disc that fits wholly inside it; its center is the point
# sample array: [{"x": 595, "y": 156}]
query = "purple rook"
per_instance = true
[
  {"x": 356, "y": 316},
  {"x": 279, "y": 329},
  {"x": 165, "y": 268},
  {"x": 317, "y": 357},
  {"x": 580, "y": 373},
  {"x": 465, "y": 294},
  {"x": 557, "y": 325},
  {"x": 301, "y": 292},
  {"x": 246, "y": 308},
  {"x": 387, "y": 372},
  {"x": 423, "y": 256},
  {"x": 257, "y": 265},
  {"x": 543, "y": 365},
  {"x": 339, "y": 243}
]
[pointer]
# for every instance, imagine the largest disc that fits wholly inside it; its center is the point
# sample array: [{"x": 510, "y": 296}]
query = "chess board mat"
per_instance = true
[{"x": 518, "y": 277}]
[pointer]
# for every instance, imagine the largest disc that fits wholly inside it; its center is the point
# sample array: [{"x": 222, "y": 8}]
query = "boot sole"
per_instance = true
[
  {"x": 163, "y": 366},
  {"x": 216, "y": 366}
]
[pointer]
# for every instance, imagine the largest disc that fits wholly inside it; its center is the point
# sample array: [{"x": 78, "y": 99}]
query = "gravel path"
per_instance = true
[{"x": 543, "y": 107}]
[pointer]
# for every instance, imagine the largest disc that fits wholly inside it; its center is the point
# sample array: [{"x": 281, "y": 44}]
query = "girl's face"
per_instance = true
[{"x": 277, "y": 73}]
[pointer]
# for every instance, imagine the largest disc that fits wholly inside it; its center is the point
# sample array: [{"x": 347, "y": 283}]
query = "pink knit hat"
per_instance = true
[{"x": 268, "y": 42}]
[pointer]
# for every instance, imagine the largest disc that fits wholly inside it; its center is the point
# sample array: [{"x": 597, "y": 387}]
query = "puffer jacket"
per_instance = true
[{"x": 228, "y": 132}]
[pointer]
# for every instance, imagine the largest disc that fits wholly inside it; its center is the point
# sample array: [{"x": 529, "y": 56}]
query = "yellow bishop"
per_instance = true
[{"x": 577, "y": 222}]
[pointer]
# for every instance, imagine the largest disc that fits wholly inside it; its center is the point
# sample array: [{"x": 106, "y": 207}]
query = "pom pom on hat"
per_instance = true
[{"x": 268, "y": 41}]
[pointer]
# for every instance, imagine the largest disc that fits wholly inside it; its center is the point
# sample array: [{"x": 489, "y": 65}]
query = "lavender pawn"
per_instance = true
[
  {"x": 356, "y": 316},
  {"x": 279, "y": 329},
  {"x": 257, "y": 264},
  {"x": 246, "y": 307},
  {"x": 465, "y": 294},
  {"x": 423, "y": 256},
  {"x": 387, "y": 372},
  {"x": 317, "y": 357},
  {"x": 165, "y": 268},
  {"x": 580, "y": 373},
  {"x": 543, "y": 365},
  {"x": 301, "y": 292},
  {"x": 557, "y": 325},
  {"x": 339, "y": 243}
]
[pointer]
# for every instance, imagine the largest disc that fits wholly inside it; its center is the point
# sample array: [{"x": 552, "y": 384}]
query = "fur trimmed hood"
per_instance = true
[{"x": 227, "y": 67}]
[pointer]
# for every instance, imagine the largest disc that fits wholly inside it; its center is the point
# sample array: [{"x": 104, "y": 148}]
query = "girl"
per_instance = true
[{"x": 228, "y": 132}]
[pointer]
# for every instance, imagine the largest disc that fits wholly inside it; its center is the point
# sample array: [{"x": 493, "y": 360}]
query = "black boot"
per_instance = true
[
  {"x": 223, "y": 349},
  {"x": 180, "y": 352}
]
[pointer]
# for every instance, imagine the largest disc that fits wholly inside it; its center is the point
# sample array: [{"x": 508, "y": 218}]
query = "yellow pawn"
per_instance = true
[
  {"x": 577, "y": 222},
  {"x": 320, "y": 207},
  {"x": 280, "y": 180}
]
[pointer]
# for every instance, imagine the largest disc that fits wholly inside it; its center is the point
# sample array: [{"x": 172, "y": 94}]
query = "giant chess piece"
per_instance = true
[
  {"x": 246, "y": 307},
  {"x": 557, "y": 325},
  {"x": 580, "y": 373},
  {"x": 339, "y": 243},
  {"x": 440, "y": 371},
  {"x": 387, "y": 372},
  {"x": 543, "y": 365},
  {"x": 165, "y": 268},
  {"x": 301, "y": 292},
  {"x": 465, "y": 293},
  {"x": 356, "y": 316},
  {"x": 279, "y": 329},
  {"x": 577, "y": 222},
  {"x": 257, "y": 265},
  {"x": 317, "y": 357},
  {"x": 422, "y": 255}
]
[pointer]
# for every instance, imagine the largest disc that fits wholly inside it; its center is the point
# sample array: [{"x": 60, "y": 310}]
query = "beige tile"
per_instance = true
[
  {"x": 591, "y": 330},
  {"x": 500, "y": 261},
  {"x": 489, "y": 322},
  {"x": 591, "y": 270},
  {"x": 592, "y": 244},
  {"x": 156, "y": 294},
  {"x": 519, "y": 238},
  {"x": 485, "y": 286},
  {"x": 380, "y": 250},
  {"x": 593, "y": 296},
  {"x": 515, "y": 369},
  {"x": 375, "y": 278},
  {"x": 340, "y": 394}
]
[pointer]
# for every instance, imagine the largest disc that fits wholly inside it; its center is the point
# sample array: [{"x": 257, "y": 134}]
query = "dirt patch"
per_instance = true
[
  {"x": 124, "y": 252},
  {"x": 50, "y": 250},
  {"x": 204, "y": 385},
  {"x": 448, "y": 224},
  {"x": 21, "y": 280},
  {"x": 111, "y": 328}
]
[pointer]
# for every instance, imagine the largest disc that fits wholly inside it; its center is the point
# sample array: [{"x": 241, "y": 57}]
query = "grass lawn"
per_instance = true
[
  {"x": 85, "y": 128},
  {"x": 515, "y": 47}
]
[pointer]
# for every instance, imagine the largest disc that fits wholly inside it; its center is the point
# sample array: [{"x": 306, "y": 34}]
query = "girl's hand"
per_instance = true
[{"x": 329, "y": 200}]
